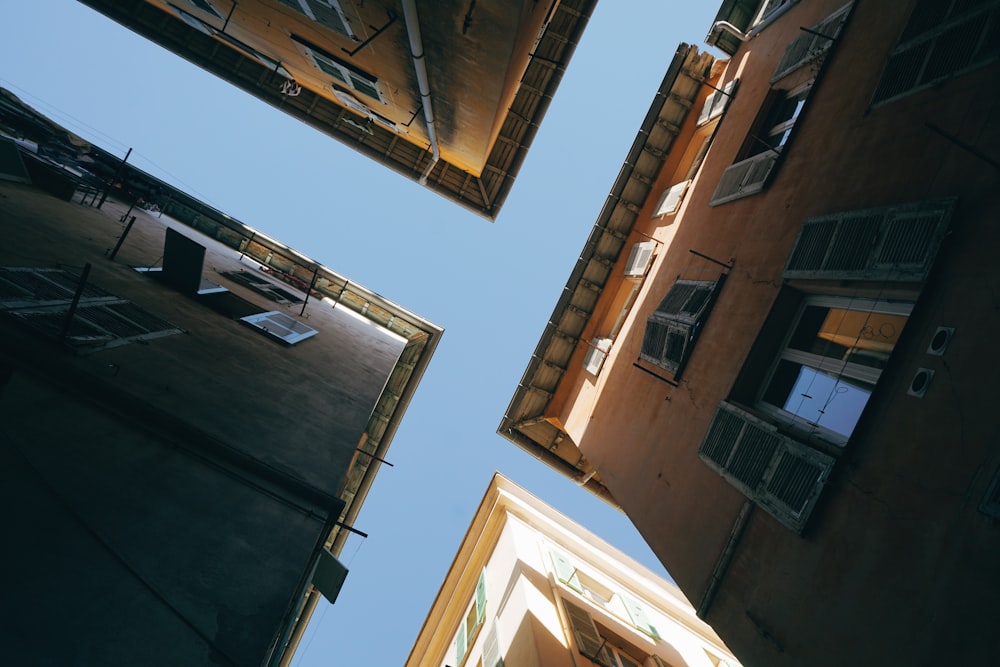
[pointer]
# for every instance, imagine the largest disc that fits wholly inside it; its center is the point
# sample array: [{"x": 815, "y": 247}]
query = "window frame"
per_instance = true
[
  {"x": 343, "y": 74},
  {"x": 806, "y": 429}
]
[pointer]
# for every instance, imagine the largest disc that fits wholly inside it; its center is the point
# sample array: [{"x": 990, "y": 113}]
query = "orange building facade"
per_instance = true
[{"x": 773, "y": 353}]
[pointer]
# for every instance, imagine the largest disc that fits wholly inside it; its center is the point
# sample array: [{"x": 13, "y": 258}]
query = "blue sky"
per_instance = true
[{"x": 491, "y": 286}]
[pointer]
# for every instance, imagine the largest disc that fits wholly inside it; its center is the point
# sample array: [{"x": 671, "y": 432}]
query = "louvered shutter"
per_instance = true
[
  {"x": 744, "y": 178},
  {"x": 588, "y": 640},
  {"x": 941, "y": 40},
  {"x": 673, "y": 327},
  {"x": 811, "y": 44},
  {"x": 782, "y": 475},
  {"x": 717, "y": 102},
  {"x": 491, "y": 649},
  {"x": 896, "y": 243}
]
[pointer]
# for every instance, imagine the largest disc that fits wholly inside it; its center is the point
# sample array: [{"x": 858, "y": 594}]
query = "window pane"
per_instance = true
[
  {"x": 859, "y": 337},
  {"x": 818, "y": 397}
]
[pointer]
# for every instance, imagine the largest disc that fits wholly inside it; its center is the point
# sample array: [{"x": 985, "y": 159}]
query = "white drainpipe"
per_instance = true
[{"x": 417, "y": 53}]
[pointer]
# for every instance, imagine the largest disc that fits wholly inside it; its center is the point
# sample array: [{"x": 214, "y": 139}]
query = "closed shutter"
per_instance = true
[
  {"x": 811, "y": 44},
  {"x": 782, "y": 475},
  {"x": 895, "y": 243},
  {"x": 941, "y": 40},
  {"x": 588, "y": 640},
  {"x": 744, "y": 178},
  {"x": 673, "y": 327}
]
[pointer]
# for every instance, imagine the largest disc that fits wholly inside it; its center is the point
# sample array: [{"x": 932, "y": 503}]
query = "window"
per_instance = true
[
  {"x": 670, "y": 200},
  {"x": 830, "y": 362},
  {"x": 717, "y": 102},
  {"x": 342, "y": 72},
  {"x": 250, "y": 52},
  {"x": 828, "y": 353},
  {"x": 469, "y": 629},
  {"x": 771, "y": 132},
  {"x": 280, "y": 326},
  {"x": 739, "y": 17},
  {"x": 42, "y": 298},
  {"x": 764, "y": 144},
  {"x": 673, "y": 327},
  {"x": 325, "y": 12},
  {"x": 591, "y": 644},
  {"x": 942, "y": 39},
  {"x": 192, "y": 20}
]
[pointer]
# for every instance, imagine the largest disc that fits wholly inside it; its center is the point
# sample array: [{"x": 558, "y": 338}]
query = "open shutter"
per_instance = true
[
  {"x": 278, "y": 325},
  {"x": 673, "y": 327},
  {"x": 565, "y": 572},
  {"x": 481, "y": 598},
  {"x": 640, "y": 619},
  {"x": 588, "y": 639},
  {"x": 940, "y": 41},
  {"x": 782, "y": 475},
  {"x": 811, "y": 44},
  {"x": 744, "y": 178},
  {"x": 717, "y": 102},
  {"x": 896, "y": 243},
  {"x": 670, "y": 200}
]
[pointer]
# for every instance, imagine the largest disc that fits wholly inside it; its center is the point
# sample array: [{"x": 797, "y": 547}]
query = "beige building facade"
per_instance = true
[
  {"x": 529, "y": 587},
  {"x": 447, "y": 93}
]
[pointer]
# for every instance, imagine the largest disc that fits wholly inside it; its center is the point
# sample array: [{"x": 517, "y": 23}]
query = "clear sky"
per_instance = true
[{"x": 492, "y": 286}]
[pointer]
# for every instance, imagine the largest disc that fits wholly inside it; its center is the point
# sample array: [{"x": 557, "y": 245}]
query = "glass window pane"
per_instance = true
[{"x": 818, "y": 397}]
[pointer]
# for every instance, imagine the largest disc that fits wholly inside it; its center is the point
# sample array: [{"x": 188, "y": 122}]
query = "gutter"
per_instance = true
[{"x": 417, "y": 53}]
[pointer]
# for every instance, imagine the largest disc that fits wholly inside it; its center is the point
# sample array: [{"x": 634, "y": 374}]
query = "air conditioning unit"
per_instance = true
[
  {"x": 596, "y": 353},
  {"x": 639, "y": 259}
]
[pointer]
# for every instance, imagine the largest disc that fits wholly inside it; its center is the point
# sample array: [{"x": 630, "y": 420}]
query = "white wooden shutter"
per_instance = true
[
  {"x": 717, "y": 102},
  {"x": 670, "y": 200},
  {"x": 782, "y": 475},
  {"x": 639, "y": 258},
  {"x": 491, "y": 648}
]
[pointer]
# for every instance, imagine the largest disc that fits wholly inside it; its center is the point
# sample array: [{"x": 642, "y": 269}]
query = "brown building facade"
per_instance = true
[
  {"x": 774, "y": 353},
  {"x": 191, "y": 416},
  {"x": 448, "y": 93}
]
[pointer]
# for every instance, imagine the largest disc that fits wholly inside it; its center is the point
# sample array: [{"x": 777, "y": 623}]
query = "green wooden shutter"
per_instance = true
[
  {"x": 640, "y": 619},
  {"x": 565, "y": 572},
  {"x": 481, "y": 597}
]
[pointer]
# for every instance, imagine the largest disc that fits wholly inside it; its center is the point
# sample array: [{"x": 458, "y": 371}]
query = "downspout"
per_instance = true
[{"x": 417, "y": 53}]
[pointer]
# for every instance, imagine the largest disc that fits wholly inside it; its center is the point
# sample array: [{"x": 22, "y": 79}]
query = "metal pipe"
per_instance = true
[
  {"x": 68, "y": 322},
  {"x": 121, "y": 239},
  {"x": 417, "y": 53}
]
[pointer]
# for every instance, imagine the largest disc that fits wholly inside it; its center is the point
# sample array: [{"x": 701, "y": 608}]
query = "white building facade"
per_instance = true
[{"x": 530, "y": 588}]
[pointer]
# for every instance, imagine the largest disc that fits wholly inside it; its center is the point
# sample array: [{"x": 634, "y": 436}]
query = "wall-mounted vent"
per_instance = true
[
  {"x": 639, "y": 259},
  {"x": 597, "y": 352},
  {"x": 939, "y": 343},
  {"x": 921, "y": 380},
  {"x": 278, "y": 325},
  {"x": 670, "y": 200}
]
